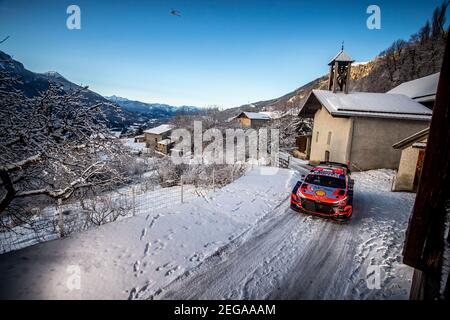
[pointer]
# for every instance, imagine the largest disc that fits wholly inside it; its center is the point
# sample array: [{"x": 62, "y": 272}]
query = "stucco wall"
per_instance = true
[
  {"x": 404, "y": 180},
  {"x": 373, "y": 139},
  {"x": 151, "y": 139},
  {"x": 340, "y": 129}
]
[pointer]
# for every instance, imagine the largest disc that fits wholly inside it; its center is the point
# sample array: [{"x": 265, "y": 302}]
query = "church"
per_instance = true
[{"x": 358, "y": 128}]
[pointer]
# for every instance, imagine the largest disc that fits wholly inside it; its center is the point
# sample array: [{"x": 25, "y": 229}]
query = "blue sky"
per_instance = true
[{"x": 219, "y": 52}]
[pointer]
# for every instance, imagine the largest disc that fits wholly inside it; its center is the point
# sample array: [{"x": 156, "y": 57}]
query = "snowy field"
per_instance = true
[
  {"x": 132, "y": 200},
  {"x": 241, "y": 241}
]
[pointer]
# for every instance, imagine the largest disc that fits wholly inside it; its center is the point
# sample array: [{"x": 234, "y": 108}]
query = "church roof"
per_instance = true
[
  {"x": 366, "y": 104},
  {"x": 342, "y": 56}
]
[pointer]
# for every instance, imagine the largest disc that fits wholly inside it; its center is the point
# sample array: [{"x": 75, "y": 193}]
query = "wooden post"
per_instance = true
[
  {"x": 330, "y": 78},
  {"x": 335, "y": 74},
  {"x": 424, "y": 244},
  {"x": 347, "y": 80},
  {"x": 181, "y": 183}
]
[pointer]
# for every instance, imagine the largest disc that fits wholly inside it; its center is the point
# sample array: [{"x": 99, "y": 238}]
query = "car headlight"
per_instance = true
[
  {"x": 342, "y": 202},
  {"x": 301, "y": 195}
]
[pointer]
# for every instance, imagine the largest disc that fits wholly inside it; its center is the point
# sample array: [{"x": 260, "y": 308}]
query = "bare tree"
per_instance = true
[
  {"x": 438, "y": 20},
  {"x": 53, "y": 145}
]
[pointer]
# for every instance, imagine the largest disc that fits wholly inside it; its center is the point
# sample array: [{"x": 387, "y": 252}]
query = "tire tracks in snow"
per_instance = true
[{"x": 255, "y": 260}]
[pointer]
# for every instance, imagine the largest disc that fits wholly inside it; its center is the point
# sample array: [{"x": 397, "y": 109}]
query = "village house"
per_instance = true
[
  {"x": 411, "y": 161},
  {"x": 253, "y": 119},
  {"x": 153, "y": 135},
  {"x": 422, "y": 90},
  {"x": 164, "y": 146},
  {"x": 358, "y": 128},
  {"x": 139, "y": 139}
]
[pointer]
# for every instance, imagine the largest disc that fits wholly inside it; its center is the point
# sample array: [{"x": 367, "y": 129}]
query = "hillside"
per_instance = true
[{"x": 403, "y": 61}]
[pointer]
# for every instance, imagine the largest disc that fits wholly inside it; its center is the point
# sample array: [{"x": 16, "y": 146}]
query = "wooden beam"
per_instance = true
[
  {"x": 424, "y": 243},
  {"x": 347, "y": 80},
  {"x": 335, "y": 74},
  {"x": 330, "y": 78}
]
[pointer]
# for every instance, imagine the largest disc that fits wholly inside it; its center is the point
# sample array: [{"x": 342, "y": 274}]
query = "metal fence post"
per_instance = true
[
  {"x": 213, "y": 180},
  {"x": 60, "y": 219},
  {"x": 134, "y": 200},
  {"x": 181, "y": 183}
]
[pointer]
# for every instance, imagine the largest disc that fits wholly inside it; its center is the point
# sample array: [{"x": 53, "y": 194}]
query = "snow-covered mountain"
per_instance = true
[
  {"x": 31, "y": 84},
  {"x": 154, "y": 110}
]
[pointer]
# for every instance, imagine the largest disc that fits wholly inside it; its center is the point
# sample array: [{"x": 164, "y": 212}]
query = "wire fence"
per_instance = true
[
  {"x": 63, "y": 219},
  {"x": 154, "y": 191}
]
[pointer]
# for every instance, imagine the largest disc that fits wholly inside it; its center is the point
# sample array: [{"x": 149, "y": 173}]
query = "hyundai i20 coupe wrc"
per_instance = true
[{"x": 326, "y": 191}]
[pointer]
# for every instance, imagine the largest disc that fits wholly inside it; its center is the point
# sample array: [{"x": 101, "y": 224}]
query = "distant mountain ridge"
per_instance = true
[
  {"x": 125, "y": 113},
  {"x": 32, "y": 84},
  {"x": 154, "y": 110}
]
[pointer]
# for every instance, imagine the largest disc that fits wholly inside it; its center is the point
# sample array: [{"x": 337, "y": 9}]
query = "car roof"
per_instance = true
[{"x": 329, "y": 171}]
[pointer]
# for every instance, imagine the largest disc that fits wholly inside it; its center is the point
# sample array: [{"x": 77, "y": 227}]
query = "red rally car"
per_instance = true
[{"x": 326, "y": 191}]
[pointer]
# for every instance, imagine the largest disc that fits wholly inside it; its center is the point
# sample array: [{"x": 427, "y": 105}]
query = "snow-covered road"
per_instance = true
[
  {"x": 294, "y": 256},
  {"x": 242, "y": 242}
]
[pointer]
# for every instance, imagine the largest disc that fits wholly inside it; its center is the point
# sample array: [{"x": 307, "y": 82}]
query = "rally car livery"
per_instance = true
[{"x": 326, "y": 191}]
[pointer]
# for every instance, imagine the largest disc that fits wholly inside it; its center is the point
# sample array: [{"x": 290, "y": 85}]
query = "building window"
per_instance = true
[
  {"x": 329, "y": 138},
  {"x": 317, "y": 136}
]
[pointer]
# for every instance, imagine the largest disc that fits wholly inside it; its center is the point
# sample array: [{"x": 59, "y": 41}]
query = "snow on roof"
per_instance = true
[
  {"x": 160, "y": 129},
  {"x": 367, "y": 104},
  {"x": 419, "y": 145},
  {"x": 165, "y": 141},
  {"x": 419, "y": 89},
  {"x": 273, "y": 114},
  {"x": 255, "y": 115},
  {"x": 416, "y": 137},
  {"x": 342, "y": 56}
]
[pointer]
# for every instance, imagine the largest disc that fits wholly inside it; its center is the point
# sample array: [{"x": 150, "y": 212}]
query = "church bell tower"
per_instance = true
[{"x": 340, "y": 68}]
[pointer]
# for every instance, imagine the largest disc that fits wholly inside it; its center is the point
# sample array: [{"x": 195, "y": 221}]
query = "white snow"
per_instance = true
[
  {"x": 360, "y": 63},
  {"x": 273, "y": 114},
  {"x": 242, "y": 241},
  {"x": 256, "y": 115},
  {"x": 160, "y": 129},
  {"x": 165, "y": 141},
  {"x": 419, "y": 88},
  {"x": 147, "y": 251},
  {"x": 369, "y": 104},
  {"x": 134, "y": 146}
]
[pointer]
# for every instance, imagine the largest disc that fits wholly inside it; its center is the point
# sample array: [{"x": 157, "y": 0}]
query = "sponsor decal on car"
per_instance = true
[{"x": 320, "y": 193}]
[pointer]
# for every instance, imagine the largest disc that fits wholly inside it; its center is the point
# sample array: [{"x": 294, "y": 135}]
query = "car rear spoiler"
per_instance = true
[{"x": 335, "y": 164}]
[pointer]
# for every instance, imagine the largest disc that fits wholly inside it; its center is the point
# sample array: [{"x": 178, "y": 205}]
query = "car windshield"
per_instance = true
[{"x": 325, "y": 181}]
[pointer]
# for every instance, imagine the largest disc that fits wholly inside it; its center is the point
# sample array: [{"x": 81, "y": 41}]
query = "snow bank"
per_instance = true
[
  {"x": 382, "y": 218},
  {"x": 134, "y": 257}
]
